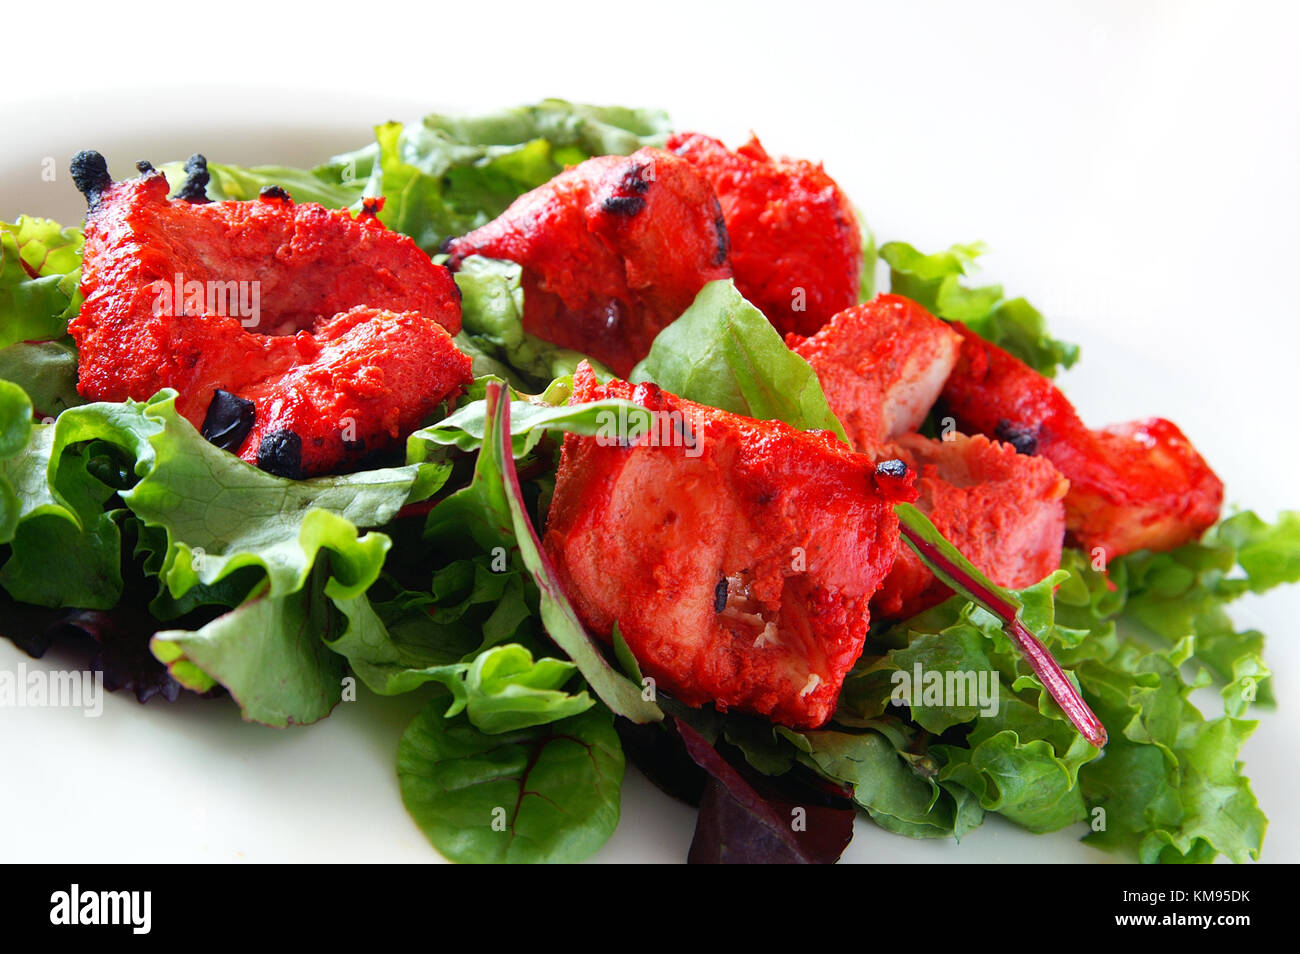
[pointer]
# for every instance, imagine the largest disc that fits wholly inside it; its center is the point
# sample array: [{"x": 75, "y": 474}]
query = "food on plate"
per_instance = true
[
  {"x": 612, "y": 251},
  {"x": 726, "y": 564},
  {"x": 303, "y": 338},
  {"x": 1140, "y": 485},
  {"x": 796, "y": 245},
  {"x": 737, "y": 557}
]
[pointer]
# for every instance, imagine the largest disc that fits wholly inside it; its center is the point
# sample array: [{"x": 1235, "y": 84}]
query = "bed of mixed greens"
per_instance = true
[{"x": 190, "y": 570}]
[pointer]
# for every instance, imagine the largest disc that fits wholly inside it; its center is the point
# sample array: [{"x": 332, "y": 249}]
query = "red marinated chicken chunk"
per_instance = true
[
  {"x": 882, "y": 364},
  {"x": 1133, "y": 486},
  {"x": 738, "y": 564},
  {"x": 796, "y": 247},
  {"x": 304, "y": 337},
  {"x": 1004, "y": 511},
  {"x": 613, "y": 250}
]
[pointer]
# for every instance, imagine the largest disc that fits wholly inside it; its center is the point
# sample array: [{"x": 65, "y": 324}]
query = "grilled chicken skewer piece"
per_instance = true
[
  {"x": 1002, "y": 510},
  {"x": 882, "y": 365},
  {"x": 347, "y": 345},
  {"x": 796, "y": 245},
  {"x": 612, "y": 250},
  {"x": 738, "y": 560},
  {"x": 1134, "y": 486}
]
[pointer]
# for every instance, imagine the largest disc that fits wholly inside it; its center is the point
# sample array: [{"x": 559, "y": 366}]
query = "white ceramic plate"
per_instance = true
[{"x": 190, "y": 782}]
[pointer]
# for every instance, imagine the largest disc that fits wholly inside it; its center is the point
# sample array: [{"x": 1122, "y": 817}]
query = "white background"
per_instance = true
[{"x": 1132, "y": 167}]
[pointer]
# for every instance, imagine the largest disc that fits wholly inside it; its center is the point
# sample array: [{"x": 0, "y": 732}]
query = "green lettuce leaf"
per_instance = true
[
  {"x": 764, "y": 747},
  {"x": 561, "y": 621},
  {"x": 269, "y": 652},
  {"x": 546, "y": 793},
  {"x": 397, "y": 640},
  {"x": 492, "y": 513},
  {"x": 504, "y": 689},
  {"x": 897, "y": 788},
  {"x": 870, "y": 256},
  {"x": 222, "y": 514},
  {"x": 213, "y": 530},
  {"x": 1170, "y": 787},
  {"x": 335, "y": 186},
  {"x": 40, "y": 270},
  {"x": 15, "y": 430},
  {"x": 1021, "y": 755},
  {"x": 492, "y": 311},
  {"x": 1012, "y": 324},
  {"x": 65, "y": 547},
  {"x": 47, "y": 371},
  {"x": 446, "y": 175},
  {"x": 530, "y": 420},
  {"x": 1185, "y": 591},
  {"x": 722, "y": 352}
]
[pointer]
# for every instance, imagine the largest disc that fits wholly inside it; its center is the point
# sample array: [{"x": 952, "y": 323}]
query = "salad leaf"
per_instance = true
[
  {"x": 765, "y": 749},
  {"x": 1185, "y": 591},
  {"x": 40, "y": 270},
  {"x": 447, "y": 175},
  {"x": 222, "y": 514},
  {"x": 1012, "y": 324},
  {"x": 1022, "y": 780},
  {"x": 961, "y": 649},
  {"x": 558, "y": 615},
  {"x": 333, "y": 186},
  {"x": 529, "y": 422},
  {"x": 397, "y": 644},
  {"x": 1170, "y": 788},
  {"x": 504, "y": 689},
  {"x": 65, "y": 547},
  {"x": 114, "y": 643},
  {"x": 198, "y": 508},
  {"x": 895, "y": 795},
  {"x": 492, "y": 311},
  {"x": 15, "y": 429},
  {"x": 219, "y": 513},
  {"x": 870, "y": 256},
  {"x": 268, "y": 652},
  {"x": 47, "y": 371},
  {"x": 492, "y": 512},
  {"x": 1021, "y": 758},
  {"x": 547, "y": 793},
  {"x": 724, "y": 353},
  {"x": 1268, "y": 554}
]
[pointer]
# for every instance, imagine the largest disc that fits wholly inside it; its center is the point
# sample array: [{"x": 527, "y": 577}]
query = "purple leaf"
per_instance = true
[
  {"x": 753, "y": 820},
  {"x": 121, "y": 651},
  {"x": 656, "y": 749},
  {"x": 117, "y": 642}
]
